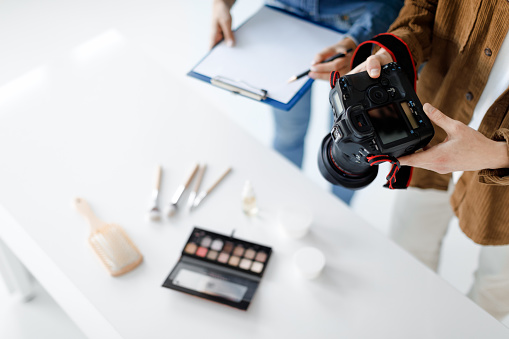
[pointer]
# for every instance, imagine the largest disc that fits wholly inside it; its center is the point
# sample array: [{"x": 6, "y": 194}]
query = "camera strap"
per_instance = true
[
  {"x": 396, "y": 47},
  {"x": 399, "y": 176},
  {"x": 397, "y": 171}
]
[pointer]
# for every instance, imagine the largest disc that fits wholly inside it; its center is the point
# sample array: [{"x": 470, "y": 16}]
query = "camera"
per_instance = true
[{"x": 371, "y": 117}]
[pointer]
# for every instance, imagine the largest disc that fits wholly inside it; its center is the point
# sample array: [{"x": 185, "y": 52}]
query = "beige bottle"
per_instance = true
[{"x": 249, "y": 205}]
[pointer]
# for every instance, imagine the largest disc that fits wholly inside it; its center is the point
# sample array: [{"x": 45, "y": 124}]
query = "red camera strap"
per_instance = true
[
  {"x": 399, "y": 176},
  {"x": 396, "y": 47},
  {"x": 394, "y": 173}
]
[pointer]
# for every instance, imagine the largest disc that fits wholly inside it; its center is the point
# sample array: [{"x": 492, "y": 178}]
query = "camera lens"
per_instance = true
[
  {"x": 378, "y": 95},
  {"x": 339, "y": 169}
]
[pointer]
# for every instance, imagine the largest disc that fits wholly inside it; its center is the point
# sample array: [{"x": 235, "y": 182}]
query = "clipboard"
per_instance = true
[{"x": 272, "y": 45}]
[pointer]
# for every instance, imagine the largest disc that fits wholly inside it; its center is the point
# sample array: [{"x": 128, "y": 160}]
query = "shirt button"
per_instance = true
[
  {"x": 346, "y": 17},
  {"x": 469, "y": 96},
  {"x": 487, "y": 51}
]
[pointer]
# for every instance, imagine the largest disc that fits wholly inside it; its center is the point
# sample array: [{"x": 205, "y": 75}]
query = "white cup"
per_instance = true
[
  {"x": 309, "y": 261},
  {"x": 295, "y": 221}
]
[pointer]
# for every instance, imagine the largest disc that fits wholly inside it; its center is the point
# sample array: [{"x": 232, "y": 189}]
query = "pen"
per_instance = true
[{"x": 334, "y": 57}]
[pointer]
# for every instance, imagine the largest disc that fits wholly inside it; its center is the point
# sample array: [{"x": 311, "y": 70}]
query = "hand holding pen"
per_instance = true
[
  {"x": 325, "y": 63},
  {"x": 331, "y": 59}
]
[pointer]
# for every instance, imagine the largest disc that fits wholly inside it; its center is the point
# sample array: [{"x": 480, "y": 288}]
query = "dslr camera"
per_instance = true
[{"x": 371, "y": 117}]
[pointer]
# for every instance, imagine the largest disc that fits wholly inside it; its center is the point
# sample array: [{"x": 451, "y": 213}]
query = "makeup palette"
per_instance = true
[{"x": 219, "y": 268}]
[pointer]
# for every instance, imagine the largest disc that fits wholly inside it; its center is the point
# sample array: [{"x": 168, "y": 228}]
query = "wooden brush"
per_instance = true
[{"x": 109, "y": 241}]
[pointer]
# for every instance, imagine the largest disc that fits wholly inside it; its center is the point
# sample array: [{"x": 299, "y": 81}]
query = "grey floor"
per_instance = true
[{"x": 171, "y": 33}]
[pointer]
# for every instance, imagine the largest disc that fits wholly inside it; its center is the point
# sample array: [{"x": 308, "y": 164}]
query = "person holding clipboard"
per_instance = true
[{"x": 360, "y": 20}]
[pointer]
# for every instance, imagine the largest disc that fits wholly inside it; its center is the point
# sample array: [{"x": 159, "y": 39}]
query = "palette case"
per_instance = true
[{"x": 219, "y": 268}]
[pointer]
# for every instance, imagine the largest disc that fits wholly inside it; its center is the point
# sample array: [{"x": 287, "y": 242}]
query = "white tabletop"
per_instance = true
[{"x": 95, "y": 123}]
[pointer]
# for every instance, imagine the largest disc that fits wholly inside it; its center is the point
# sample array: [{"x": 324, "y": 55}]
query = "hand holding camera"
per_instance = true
[
  {"x": 375, "y": 120},
  {"x": 373, "y": 63},
  {"x": 464, "y": 149}
]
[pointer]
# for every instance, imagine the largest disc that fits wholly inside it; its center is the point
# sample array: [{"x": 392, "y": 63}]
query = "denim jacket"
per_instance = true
[{"x": 360, "y": 20}]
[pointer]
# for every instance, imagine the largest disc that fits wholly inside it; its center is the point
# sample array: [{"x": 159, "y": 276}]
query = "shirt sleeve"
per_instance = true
[
  {"x": 499, "y": 176},
  {"x": 414, "y": 25},
  {"x": 375, "y": 19}
]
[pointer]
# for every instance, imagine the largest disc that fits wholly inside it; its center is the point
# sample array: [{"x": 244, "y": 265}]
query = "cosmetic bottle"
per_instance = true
[{"x": 249, "y": 200}]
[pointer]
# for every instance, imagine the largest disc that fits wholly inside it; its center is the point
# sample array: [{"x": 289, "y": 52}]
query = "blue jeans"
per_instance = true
[
  {"x": 360, "y": 20},
  {"x": 291, "y": 128}
]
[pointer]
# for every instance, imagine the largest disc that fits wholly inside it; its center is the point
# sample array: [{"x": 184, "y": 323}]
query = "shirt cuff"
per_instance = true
[
  {"x": 351, "y": 37},
  {"x": 499, "y": 176}
]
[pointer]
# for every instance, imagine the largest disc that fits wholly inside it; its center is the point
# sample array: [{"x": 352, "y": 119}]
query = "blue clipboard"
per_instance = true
[{"x": 256, "y": 93}]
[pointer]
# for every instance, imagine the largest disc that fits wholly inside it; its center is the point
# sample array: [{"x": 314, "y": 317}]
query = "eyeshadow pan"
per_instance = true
[
  {"x": 202, "y": 251},
  {"x": 217, "y": 245},
  {"x": 245, "y": 264},
  {"x": 228, "y": 247},
  {"x": 234, "y": 260},
  {"x": 250, "y": 254},
  {"x": 190, "y": 248},
  {"x": 239, "y": 250},
  {"x": 212, "y": 255},
  {"x": 205, "y": 242},
  {"x": 261, "y": 257},
  {"x": 257, "y": 267},
  {"x": 223, "y": 257}
]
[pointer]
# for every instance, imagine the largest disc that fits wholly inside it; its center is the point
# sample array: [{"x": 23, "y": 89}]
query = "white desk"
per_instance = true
[{"x": 95, "y": 124}]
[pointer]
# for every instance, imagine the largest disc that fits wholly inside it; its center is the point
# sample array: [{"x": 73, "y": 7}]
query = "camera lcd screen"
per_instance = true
[
  {"x": 337, "y": 102},
  {"x": 409, "y": 114},
  {"x": 388, "y": 123}
]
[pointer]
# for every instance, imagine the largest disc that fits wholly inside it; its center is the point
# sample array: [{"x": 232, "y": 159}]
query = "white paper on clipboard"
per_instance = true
[{"x": 271, "y": 46}]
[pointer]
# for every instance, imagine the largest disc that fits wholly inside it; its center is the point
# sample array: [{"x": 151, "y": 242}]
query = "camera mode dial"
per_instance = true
[{"x": 378, "y": 95}]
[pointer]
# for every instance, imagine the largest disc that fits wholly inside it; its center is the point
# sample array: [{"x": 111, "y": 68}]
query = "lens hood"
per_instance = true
[{"x": 331, "y": 171}]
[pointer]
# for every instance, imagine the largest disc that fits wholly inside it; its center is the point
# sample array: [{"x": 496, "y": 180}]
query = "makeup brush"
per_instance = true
[
  {"x": 172, "y": 209},
  {"x": 203, "y": 194},
  {"x": 194, "y": 192},
  {"x": 154, "y": 214},
  {"x": 109, "y": 242}
]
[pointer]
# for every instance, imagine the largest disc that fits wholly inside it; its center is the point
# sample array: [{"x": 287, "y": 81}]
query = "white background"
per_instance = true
[{"x": 172, "y": 33}]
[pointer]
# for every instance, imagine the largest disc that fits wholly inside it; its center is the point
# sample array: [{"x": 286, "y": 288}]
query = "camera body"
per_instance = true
[{"x": 371, "y": 117}]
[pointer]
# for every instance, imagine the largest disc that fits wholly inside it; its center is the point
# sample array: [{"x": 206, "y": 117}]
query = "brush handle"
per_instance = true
[
  {"x": 155, "y": 191},
  {"x": 191, "y": 176},
  {"x": 158, "y": 177},
  {"x": 84, "y": 209},
  {"x": 219, "y": 180},
  {"x": 199, "y": 178}
]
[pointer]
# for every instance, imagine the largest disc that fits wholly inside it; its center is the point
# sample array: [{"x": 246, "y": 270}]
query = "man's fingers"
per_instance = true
[
  {"x": 360, "y": 68},
  {"x": 324, "y": 70},
  {"x": 417, "y": 158},
  {"x": 328, "y": 67},
  {"x": 321, "y": 76},
  {"x": 324, "y": 54},
  {"x": 439, "y": 118},
  {"x": 216, "y": 36},
  {"x": 373, "y": 66},
  {"x": 226, "y": 27}
]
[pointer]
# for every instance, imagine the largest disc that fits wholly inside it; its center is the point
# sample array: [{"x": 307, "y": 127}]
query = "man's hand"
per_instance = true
[
  {"x": 374, "y": 63},
  {"x": 222, "y": 22},
  {"x": 342, "y": 65},
  {"x": 464, "y": 149}
]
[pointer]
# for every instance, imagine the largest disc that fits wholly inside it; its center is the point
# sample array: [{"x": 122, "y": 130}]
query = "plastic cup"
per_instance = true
[
  {"x": 309, "y": 261},
  {"x": 295, "y": 221}
]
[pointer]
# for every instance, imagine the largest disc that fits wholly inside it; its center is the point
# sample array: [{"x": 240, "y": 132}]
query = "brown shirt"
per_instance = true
[{"x": 459, "y": 40}]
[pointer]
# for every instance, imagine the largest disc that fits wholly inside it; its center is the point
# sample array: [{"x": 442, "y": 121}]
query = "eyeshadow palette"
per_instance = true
[{"x": 219, "y": 268}]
